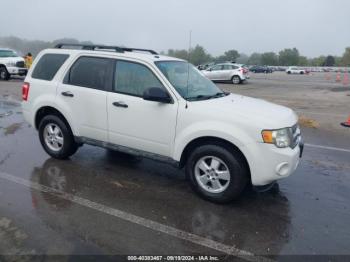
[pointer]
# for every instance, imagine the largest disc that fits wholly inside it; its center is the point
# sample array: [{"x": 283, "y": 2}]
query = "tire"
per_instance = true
[
  {"x": 301, "y": 72},
  {"x": 206, "y": 183},
  {"x": 236, "y": 80},
  {"x": 60, "y": 143},
  {"x": 4, "y": 75},
  {"x": 288, "y": 72}
]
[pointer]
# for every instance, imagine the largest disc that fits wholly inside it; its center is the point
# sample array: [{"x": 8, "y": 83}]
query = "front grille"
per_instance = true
[
  {"x": 296, "y": 135},
  {"x": 20, "y": 64}
]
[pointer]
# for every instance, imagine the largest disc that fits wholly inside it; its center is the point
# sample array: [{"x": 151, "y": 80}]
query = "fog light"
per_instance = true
[{"x": 282, "y": 169}]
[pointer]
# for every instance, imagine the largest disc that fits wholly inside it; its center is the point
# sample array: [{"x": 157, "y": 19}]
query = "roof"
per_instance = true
[
  {"x": 229, "y": 63},
  {"x": 111, "y": 51}
]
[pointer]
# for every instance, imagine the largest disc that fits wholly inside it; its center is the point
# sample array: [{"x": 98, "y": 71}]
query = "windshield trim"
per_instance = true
[
  {"x": 198, "y": 97},
  {"x": 8, "y": 51}
]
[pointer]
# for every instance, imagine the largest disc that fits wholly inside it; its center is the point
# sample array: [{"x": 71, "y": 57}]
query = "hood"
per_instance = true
[
  {"x": 245, "y": 109},
  {"x": 11, "y": 59}
]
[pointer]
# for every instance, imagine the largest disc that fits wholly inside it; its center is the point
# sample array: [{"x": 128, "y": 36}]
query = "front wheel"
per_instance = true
[
  {"x": 56, "y": 137},
  {"x": 4, "y": 75},
  {"x": 217, "y": 174},
  {"x": 236, "y": 80}
]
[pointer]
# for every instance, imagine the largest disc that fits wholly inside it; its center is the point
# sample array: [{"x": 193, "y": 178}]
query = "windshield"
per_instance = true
[
  {"x": 7, "y": 53},
  {"x": 188, "y": 81}
]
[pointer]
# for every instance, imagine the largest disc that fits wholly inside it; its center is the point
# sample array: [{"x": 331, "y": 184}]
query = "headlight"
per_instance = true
[
  {"x": 281, "y": 137},
  {"x": 10, "y": 64}
]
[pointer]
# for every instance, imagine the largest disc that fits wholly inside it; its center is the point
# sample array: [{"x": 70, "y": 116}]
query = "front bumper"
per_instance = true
[
  {"x": 17, "y": 70},
  {"x": 271, "y": 163}
]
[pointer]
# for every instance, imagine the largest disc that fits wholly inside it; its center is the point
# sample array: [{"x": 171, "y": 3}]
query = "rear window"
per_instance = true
[
  {"x": 91, "y": 72},
  {"x": 48, "y": 66}
]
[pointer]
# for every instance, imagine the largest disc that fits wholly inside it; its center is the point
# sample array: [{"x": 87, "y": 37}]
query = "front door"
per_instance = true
[
  {"x": 214, "y": 73},
  {"x": 134, "y": 122}
]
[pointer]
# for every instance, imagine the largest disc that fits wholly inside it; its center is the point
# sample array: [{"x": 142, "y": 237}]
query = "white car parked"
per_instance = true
[
  {"x": 163, "y": 108},
  {"x": 11, "y": 64},
  {"x": 295, "y": 70},
  {"x": 234, "y": 73}
]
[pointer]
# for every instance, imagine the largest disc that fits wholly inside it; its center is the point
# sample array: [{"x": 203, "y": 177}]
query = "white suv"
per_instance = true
[
  {"x": 159, "y": 107},
  {"x": 11, "y": 64},
  {"x": 230, "y": 72}
]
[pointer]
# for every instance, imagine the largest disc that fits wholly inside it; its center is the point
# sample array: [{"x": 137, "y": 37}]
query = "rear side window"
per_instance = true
[
  {"x": 48, "y": 66},
  {"x": 227, "y": 67},
  {"x": 91, "y": 72},
  {"x": 133, "y": 78},
  {"x": 217, "y": 68}
]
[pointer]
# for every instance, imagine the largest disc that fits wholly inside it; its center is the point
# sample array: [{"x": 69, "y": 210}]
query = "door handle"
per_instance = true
[
  {"x": 120, "y": 104},
  {"x": 67, "y": 93}
]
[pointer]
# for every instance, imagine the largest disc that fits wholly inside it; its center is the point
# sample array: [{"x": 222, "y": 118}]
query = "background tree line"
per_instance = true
[
  {"x": 286, "y": 57},
  {"x": 198, "y": 55}
]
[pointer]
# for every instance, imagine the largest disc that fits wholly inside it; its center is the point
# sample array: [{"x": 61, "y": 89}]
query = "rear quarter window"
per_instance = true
[{"x": 48, "y": 65}]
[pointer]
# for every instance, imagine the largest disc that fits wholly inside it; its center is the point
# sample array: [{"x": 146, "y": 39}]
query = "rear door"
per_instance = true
[
  {"x": 134, "y": 122},
  {"x": 226, "y": 72},
  {"x": 83, "y": 95}
]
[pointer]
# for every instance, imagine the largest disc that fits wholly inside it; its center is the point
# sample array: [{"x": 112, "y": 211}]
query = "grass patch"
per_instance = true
[{"x": 308, "y": 122}]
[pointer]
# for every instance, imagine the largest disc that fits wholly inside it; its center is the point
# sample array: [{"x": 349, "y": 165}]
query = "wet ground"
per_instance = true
[{"x": 103, "y": 202}]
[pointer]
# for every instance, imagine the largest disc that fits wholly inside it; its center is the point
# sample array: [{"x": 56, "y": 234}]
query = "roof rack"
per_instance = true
[{"x": 118, "y": 49}]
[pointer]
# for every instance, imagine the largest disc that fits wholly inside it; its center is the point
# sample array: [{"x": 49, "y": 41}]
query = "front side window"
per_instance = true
[
  {"x": 133, "y": 78},
  {"x": 91, "y": 72},
  {"x": 190, "y": 83},
  {"x": 48, "y": 66}
]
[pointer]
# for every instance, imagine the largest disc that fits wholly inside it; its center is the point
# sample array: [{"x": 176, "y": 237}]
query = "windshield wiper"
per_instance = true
[
  {"x": 219, "y": 94},
  {"x": 199, "y": 97},
  {"x": 204, "y": 97}
]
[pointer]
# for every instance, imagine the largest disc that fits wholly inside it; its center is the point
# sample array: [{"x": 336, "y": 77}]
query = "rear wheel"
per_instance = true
[
  {"x": 216, "y": 174},
  {"x": 289, "y": 72},
  {"x": 56, "y": 137},
  {"x": 301, "y": 72},
  {"x": 4, "y": 75},
  {"x": 236, "y": 80}
]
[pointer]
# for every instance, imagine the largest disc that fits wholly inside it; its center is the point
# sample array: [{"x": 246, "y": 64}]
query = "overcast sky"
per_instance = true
[{"x": 315, "y": 27}]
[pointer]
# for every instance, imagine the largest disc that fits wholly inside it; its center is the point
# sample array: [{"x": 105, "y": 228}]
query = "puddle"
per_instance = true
[
  {"x": 7, "y": 108},
  {"x": 340, "y": 89},
  {"x": 11, "y": 129}
]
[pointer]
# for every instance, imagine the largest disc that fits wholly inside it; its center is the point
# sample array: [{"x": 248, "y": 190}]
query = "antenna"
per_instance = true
[{"x": 188, "y": 64}]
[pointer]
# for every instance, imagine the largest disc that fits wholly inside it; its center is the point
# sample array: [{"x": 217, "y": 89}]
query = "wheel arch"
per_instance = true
[
  {"x": 49, "y": 110},
  {"x": 236, "y": 74},
  {"x": 205, "y": 140}
]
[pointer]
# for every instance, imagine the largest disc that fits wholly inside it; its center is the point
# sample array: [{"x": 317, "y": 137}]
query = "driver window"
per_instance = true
[{"x": 133, "y": 78}]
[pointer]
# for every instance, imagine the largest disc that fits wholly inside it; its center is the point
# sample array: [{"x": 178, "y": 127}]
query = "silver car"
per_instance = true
[{"x": 234, "y": 73}]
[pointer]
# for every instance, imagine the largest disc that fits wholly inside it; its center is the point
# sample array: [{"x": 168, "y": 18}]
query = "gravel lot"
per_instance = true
[{"x": 102, "y": 202}]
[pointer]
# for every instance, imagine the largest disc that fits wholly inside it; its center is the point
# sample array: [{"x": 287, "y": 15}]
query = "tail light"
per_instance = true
[{"x": 25, "y": 91}]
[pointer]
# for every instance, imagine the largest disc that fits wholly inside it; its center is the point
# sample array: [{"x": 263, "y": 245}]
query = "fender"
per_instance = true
[{"x": 217, "y": 129}]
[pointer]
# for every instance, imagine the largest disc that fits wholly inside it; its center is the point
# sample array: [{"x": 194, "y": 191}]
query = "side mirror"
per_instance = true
[{"x": 156, "y": 94}]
